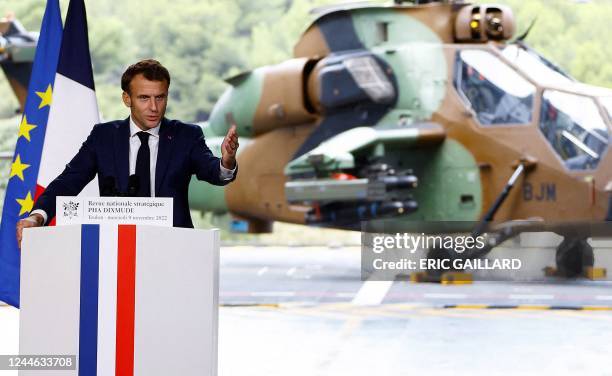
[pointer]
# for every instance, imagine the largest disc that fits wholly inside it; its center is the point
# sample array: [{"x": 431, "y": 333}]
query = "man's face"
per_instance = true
[{"x": 147, "y": 101}]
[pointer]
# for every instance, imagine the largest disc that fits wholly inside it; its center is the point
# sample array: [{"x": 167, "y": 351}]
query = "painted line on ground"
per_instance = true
[
  {"x": 444, "y": 296},
  {"x": 531, "y": 296},
  {"x": 236, "y": 305},
  {"x": 273, "y": 293},
  {"x": 345, "y": 294},
  {"x": 527, "y": 307},
  {"x": 339, "y": 311},
  {"x": 372, "y": 293}
]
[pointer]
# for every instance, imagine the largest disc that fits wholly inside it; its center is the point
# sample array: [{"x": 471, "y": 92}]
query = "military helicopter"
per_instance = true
[
  {"x": 412, "y": 112},
  {"x": 17, "y": 48},
  {"x": 417, "y": 112}
]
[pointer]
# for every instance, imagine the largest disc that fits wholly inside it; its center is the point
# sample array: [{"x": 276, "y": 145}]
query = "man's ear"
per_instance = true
[{"x": 126, "y": 99}]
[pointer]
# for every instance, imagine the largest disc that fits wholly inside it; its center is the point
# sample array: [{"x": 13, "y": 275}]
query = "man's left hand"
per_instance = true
[{"x": 229, "y": 147}]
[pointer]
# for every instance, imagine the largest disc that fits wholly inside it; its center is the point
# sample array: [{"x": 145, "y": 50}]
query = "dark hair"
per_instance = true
[{"x": 151, "y": 69}]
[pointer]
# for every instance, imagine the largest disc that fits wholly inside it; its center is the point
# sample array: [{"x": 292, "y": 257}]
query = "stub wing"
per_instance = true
[
  {"x": 338, "y": 153},
  {"x": 346, "y": 178}
]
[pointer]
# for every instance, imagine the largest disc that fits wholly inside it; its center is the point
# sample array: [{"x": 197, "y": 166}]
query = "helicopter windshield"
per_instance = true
[
  {"x": 574, "y": 127},
  {"x": 534, "y": 65},
  {"x": 496, "y": 93}
]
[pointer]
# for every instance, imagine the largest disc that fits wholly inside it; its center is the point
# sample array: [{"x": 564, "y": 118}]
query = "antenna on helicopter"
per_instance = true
[
  {"x": 420, "y": 2},
  {"x": 522, "y": 37},
  {"x": 415, "y": 2}
]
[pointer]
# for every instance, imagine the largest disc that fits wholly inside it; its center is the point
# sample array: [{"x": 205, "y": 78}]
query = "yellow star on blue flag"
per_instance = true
[
  {"x": 17, "y": 168},
  {"x": 25, "y": 128},
  {"x": 45, "y": 97},
  {"x": 26, "y": 204}
]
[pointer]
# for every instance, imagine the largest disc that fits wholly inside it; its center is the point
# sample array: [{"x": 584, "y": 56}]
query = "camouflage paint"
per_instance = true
[
  {"x": 414, "y": 53},
  {"x": 340, "y": 35},
  {"x": 339, "y": 31},
  {"x": 445, "y": 174},
  {"x": 241, "y": 101},
  {"x": 461, "y": 172},
  {"x": 339, "y": 152},
  {"x": 206, "y": 196}
]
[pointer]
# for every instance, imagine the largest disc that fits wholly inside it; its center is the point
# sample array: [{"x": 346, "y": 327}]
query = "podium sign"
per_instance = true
[
  {"x": 125, "y": 299},
  {"x": 114, "y": 210}
]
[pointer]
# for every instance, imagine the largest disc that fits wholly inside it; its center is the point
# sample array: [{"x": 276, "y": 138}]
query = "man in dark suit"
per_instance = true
[{"x": 144, "y": 155}]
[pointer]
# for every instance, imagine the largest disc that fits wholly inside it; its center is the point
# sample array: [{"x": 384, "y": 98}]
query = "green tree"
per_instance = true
[
  {"x": 571, "y": 34},
  {"x": 204, "y": 41}
]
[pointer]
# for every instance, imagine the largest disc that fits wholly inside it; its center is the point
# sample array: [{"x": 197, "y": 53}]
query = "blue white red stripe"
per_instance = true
[
  {"x": 127, "y": 300},
  {"x": 108, "y": 284}
]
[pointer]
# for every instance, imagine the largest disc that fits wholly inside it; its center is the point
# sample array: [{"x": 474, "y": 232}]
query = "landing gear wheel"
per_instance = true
[{"x": 573, "y": 256}]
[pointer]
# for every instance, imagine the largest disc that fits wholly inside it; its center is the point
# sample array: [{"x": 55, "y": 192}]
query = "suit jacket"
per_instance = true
[{"x": 182, "y": 152}]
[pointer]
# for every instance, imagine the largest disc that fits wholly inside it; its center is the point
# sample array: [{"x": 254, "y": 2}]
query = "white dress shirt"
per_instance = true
[{"x": 224, "y": 173}]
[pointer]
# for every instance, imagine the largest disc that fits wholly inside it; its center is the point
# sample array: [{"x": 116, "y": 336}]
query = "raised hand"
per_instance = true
[{"x": 229, "y": 147}]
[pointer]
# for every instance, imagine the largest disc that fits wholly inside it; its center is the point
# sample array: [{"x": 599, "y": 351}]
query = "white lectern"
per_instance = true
[{"x": 125, "y": 299}]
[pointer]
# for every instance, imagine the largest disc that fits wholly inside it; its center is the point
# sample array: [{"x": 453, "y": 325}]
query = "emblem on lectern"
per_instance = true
[{"x": 71, "y": 209}]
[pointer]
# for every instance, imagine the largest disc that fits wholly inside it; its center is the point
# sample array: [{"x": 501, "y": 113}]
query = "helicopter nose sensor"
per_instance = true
[{"x": 481, "y": 23}]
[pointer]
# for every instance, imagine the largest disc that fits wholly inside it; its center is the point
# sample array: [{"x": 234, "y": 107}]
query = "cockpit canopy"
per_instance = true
[
  {"x": 573, "y": 126},
  {"x": 495, "y": 91},
  {"x": 501, "y": 87}
]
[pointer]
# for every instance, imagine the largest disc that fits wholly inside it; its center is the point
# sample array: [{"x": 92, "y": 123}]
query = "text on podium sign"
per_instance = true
[{"x": 156, "y": 211}]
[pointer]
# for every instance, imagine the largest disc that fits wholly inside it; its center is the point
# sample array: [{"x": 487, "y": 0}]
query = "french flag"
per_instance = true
[
  {"x": 121, "y": 299},
  {"x": 74, "y": 110}
]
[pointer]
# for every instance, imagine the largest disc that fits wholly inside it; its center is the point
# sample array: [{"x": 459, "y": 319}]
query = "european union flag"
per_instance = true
[{"x": 22, "y": 188}]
